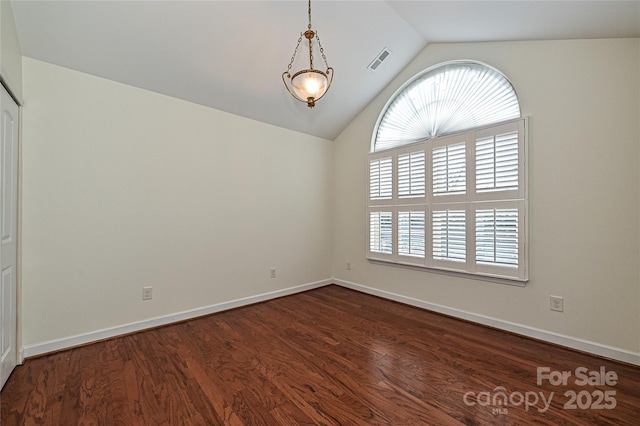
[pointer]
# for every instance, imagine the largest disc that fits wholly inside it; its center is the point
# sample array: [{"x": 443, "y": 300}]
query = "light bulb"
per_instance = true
[{"x": 312, "y": 85}]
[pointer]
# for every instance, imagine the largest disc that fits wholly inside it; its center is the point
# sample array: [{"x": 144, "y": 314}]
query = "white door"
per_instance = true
[{"x": 8, "y": 223}]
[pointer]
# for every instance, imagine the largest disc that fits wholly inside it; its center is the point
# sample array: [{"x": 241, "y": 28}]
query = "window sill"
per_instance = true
[{"x": 461, "y": 274}]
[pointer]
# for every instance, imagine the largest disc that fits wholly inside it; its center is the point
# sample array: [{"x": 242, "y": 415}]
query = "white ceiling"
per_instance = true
[{"x": 230, "y": 55}]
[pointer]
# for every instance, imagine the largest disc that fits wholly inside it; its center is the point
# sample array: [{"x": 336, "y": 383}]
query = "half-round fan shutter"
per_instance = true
[{"x": 445, "y": 99}]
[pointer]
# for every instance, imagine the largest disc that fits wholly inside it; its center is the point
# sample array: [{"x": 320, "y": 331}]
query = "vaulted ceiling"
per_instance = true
[{"x": 230, "y": 55}]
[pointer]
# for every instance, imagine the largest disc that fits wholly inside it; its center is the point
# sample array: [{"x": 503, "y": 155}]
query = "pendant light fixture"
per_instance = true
[{"x": 308, "y": 85}]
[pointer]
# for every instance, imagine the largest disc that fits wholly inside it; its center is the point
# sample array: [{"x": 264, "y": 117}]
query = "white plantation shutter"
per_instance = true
[
  {"x": 411, "y": 233},
  {"x": 501, "y": 240},
  {"x": 500, "y": 162},
  {"x": 449, "y": 235},
  {"x": 497, "y": 162},
  {"x": 449, "y": 169},
  {"x": 381, "y": 179},
  {"x": 411, "y": 174},
  {"x": 497, "y": 236},
  {"x": 381, "y": 232},
  {"x": 471, "y": 217}
]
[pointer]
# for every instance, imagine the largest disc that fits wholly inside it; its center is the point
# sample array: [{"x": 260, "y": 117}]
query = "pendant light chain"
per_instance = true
[
  {"x": 311, "y": 54},
  {"x": 295, "y": 52},
  {"x": 310, "y": 39},
  {"x": 319, "y": 44},
  {"x": 322, "y": 51},
  {"x": 308, "y": 85}
]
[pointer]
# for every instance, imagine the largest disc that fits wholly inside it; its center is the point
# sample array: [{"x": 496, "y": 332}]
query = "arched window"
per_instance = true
[
  {"x": 447, "y": 174},
  {"x": 444, "y": 99}
]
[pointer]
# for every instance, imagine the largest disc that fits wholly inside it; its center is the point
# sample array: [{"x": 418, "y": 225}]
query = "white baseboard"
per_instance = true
[
  {"x": 82, "y": 339},
  {"x": 547, "y": 336}
]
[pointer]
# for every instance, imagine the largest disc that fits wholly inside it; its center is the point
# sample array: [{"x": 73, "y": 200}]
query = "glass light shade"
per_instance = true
[{"x": 310, "y": 84}]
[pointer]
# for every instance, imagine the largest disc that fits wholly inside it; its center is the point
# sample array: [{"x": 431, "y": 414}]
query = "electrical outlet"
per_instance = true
[
  {"x": 273, "y": 272},
  {"x": 147, "y": 293},
  {"x": 348, "y": 266},
  {"x": 556, "y": 303}
]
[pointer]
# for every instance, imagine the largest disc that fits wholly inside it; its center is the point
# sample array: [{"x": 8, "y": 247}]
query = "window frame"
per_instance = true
[{"x": 471, "y": 201}]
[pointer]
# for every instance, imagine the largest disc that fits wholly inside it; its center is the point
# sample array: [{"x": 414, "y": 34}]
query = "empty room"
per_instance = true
[{"x": 319, "y": 212}]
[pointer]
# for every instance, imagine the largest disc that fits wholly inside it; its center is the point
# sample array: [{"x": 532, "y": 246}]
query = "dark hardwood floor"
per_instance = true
[{"x": 328, "y": 356}]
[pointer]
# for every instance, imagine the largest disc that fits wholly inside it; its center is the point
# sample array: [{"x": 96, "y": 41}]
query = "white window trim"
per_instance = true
[{"x": 470, "y": 201}]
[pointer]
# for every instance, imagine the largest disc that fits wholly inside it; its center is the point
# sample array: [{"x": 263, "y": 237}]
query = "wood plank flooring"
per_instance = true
[{"x": 329, "y": 356}]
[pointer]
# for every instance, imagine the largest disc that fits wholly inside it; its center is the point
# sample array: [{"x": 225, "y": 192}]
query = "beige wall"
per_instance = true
[
  {"x": 582, "y": 100},
  {"x": 125, "y": 188},
  {"x": 10, "y": 53}
]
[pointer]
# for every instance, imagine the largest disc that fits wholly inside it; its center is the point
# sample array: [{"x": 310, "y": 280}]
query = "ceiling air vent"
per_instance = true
[{"x": 379, "y": 59}]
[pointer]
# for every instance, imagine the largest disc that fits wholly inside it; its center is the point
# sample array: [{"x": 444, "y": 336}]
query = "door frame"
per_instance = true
[{"x": 8, "y": 86}]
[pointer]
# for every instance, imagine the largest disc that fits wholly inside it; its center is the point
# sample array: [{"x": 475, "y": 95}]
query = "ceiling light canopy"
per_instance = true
[{"x": 308, "y": 85}]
